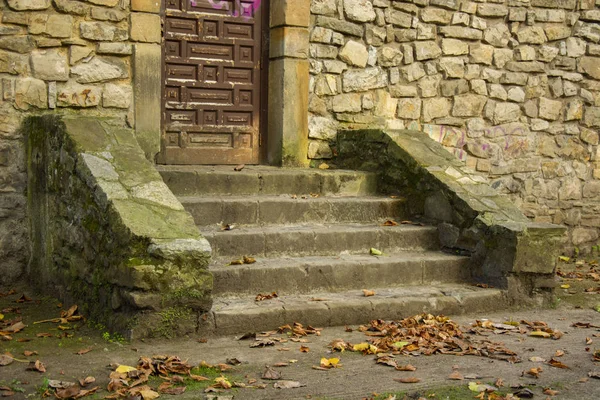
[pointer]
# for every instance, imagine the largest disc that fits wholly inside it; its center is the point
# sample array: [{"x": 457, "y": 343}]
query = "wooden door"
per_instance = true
[{"x": 212, "y": 81}]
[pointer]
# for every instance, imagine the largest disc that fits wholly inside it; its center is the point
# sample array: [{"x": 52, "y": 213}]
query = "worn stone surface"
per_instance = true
[{"x": 99, "y": 70}]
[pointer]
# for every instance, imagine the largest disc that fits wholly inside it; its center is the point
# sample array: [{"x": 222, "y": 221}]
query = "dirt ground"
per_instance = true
[{"x": 357, "y": 377}]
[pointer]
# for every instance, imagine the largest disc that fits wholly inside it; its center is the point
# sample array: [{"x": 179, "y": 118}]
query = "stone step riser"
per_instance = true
[
  {"x": 338, "y": 275},
  {"x": 255, "y": 211},
  {"x": 274, "y": 182},
  {"x": 350, "y": 311},
  {"x": 273, "y": 243}
]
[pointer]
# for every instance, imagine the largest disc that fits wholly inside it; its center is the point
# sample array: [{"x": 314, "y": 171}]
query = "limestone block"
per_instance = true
[
  {"x": 289, "y": 42},
  {"x": 18, "y": 44},
  {"x": 354, "y": 53},
  {"x": 525, "y": 53},
  {"x": 426, "y": 32},
  {"x": 478, "y": 23},
  {"x": 435, "y": 108},
  {"x": 409, "y": 108},
  {"x": 323, "y": 7},
  {"x": 21, "y": 5},
  {"x": 322, "y": 128},
  {"x": 117, "y": 48},
  {"x": 589, "y": 136},
  {"x": 516, "y": 94},
  {"x": 339, "y": 25},
  {"x": 359, "y": 10},
  {"x": 584, "y": 235},
  {"x": 574, "y": 111},
  {"x": 454, "y": 47},
  {"x": 291, "y": 13},
  {"x": 591, "y": 66},
  {"x": 413, "y": 72},
  {"x": 506, "y": 112},
  {"x": 525, "y": 66},
  {"x": 429, "y": 85},
  {"x": 334, "y": 66},
  {"x": 117, "y": 96},
  {"x": 321, "y": 35},
  {"x": 478, "y": 86},
  {"x": 108, "y": 14},
  {"x": 403, "y": 91},
  {"x": 101, "y": 31},
  {"x": 497, "y": 35},
  {"x": 349, "y": 102},
  {"x": 449, "y": 4},
  {"x": 149, "y": 6},
  {"x": 453, "y": 67},
  {"x": 318, "y": 149},
  {"x": 464, "y": 19},
  {"x": 73, "y": 94},
  {"x": 481, "y": 54},
  {"x": 468, "y": 105},
  {"x": 107, "y": 3},
  {"x": 436, "y": 15},
  {"x": 100, "y": 69},
  {"x": 460, "y": 32},
  {"x": 389, "y": 56},
  {"x": 492, "y": 10},
  {"x": 30, "y": 92},
  {"x": 71, "y": 7},
  {"x": 362, "y": 80},
  {"x": 532, "y": 35},
  {"x": 385, "y": 105},
  {"x": 549, "y": 109},
  {"x": 326, "y": 84},
  {"x": 145, "y": 28},
  {"x": 592, "y": 117},
  {"x": 454, "y": 87},
  {"x": 13, "y": 63},
  {"x": 557, "y": 32},
  {"x": 568, "y": 4},
  {"x": 576, "y": 47},
  {"x": 49, "y": 65},
  {"x": 498, "y": 92},
  {"x": 398, "y": 18},
  {"x": 427, "y": 50},
  {"x": 547, "y": 53}
]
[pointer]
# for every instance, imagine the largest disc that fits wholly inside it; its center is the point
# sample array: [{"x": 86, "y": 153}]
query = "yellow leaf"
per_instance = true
[
  {"x": 331, "y": 362},
  {"x": 540, "y": 334},
  {"x": 223, "y": 382},
  {"x": 400, "y": 345},
  {"x": 149, "y": 394},
  {"x": 1, "y": 317},
  {"x": 375, "y": 252},
  {"x": 563, "y": 258},
  {"x": 565, "y": 286},
  {"x": 365, "y": 347},
  {"x": 123, "y": 369},
  {"x": 474, "y": 387}
]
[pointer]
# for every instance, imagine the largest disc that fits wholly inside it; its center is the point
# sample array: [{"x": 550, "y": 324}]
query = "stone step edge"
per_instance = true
[
  {"x": 191, "y": 199},
  {"x": 348, "y": 308},
  {"x": 211, "y": 230}
]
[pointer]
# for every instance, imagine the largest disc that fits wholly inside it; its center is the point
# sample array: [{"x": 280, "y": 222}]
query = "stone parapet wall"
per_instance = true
[
  {"x": 511, "y": 87},
  {"x": 62, "y": 56}
]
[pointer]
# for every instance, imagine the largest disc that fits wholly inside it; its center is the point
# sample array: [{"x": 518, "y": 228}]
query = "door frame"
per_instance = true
[{"x": 286, "y": 97}]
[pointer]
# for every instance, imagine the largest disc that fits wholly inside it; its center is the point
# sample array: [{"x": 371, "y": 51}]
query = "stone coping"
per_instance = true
[{"x": 506, "y": 248}]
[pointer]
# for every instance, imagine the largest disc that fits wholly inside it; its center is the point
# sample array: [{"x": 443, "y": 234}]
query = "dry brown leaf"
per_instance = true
[
  {"x": 456, "y": 376},
  {"x": 239, "y": 167},
  {"x": 44, "y": 334},
  {"x": 6, "y": 359},
  {"x": 550, "y": 392},
  {"x": 368, "y": 293},
  {"x": 557, "y": 364},
  {"x": 16, "y": 327},
  {"x": 535, "y": 372},
  {"x": 67, "y": 393},
  {"x": 407, "y": 380},
  {"x": 87, "y": 381},
  {"x": 265, "y": 296},
  {"x": 23, "y": 299},
  {"x": 559, "y": 353},
  {"x": 249, "y": 260},
  {"x": 287, "y": 385},
  {"x": 84, "y": 393},
  {"x": 28, "y": 353},
  {"x": 304, "y": 349},
  {"x": 271, "y": 374},
  {"x": 84, "y": 351},
  {"x": 390, "y": 222},
  {"x": 36, "y": 366},
  {"x": 406, "y": 367},
  {"x": 281, "y": 364}
]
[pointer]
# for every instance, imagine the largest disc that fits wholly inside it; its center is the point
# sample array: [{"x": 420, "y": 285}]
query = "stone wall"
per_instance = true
[
  {"x": 511, "y": 87},
  {"x": 60, "y": 56}
]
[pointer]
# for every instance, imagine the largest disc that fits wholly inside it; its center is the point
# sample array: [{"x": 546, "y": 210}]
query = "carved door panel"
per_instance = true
[{"x": 212, "y": 82}]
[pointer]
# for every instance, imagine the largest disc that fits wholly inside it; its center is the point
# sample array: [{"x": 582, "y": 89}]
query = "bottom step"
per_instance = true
[{"x": 240, "y": 315}]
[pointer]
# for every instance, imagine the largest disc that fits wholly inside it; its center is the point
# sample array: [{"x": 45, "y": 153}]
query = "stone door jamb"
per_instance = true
[{"x": 287, "y": 137}]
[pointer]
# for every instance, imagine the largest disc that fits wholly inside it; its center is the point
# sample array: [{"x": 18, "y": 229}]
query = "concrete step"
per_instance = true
[
  {"x": 299, "y": 240},
  {"x": 242, "y": 314},
  {"x": 268, "y": 210},
  {"x": 252, "y": 180},
  {"x": 288, "y": 276}
]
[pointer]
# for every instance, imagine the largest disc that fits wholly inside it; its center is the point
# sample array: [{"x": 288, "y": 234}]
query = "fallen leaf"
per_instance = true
[
  {"x": 365, "y": 348},
  {"x": 198, "y": 378},
  {"x": 559, "y": 353},
  {"x": 249, "y": 260},
  {"x": 262, "y": 343},
  {"x": 535, "y": 372},
  {"x": 5, "y": 360},
  {"x": 406, "y": 367},
  {"x": 390, "y": 222},
  {"x": 287, "y": 385},
  {"x": 374, "y": 252},
  {"x": 24, "y": 340},
  {"x": 239, "y": 167},
  {"x": 330, "y": 362},
  {"x": 17, "y": 327},
  {"x": 228, "y": 227},
  {"x": 588, "y": 341},
  {"x": 87, "y": 381},
  {"x": 550, "y": 392},
  {"x": 281, "y": 364},
  {"x": 270, "y": 374},
  {"x": 557, "y": 364},
  {"x": 566, "y": 286},
  {"x": 524, "y": 394},
  {"x": 44, "y": 334},
  {"x": 304, "y": 349},
  {"x": 541, "y": 334},
  {"x": 368, "y": 293},
  {"x": 36, "y": 366},
  {"x": 564, "y": 258},
  {"x": 84, "y": 393},
  {"x": 499, "y": 382},
  {"x": 67, "y": 392},
  {"x": 123, "y": 369},
  {"x": 84, "y": 351},
  {"x": 23, "y": 299},
  {"x": 266, "y": 296},
  {"x": 247, "y": 336},
  {"x": 236, "y": 262},
  {"x": 456, "y": 376},
  {"x": 233, "y": 361},
  {"x": 28, "y": 353},
  {"x": 537, "y": 359},
  {"x": 407, "y": 380},
  {"x": 148, "y": 394},
  {"x": 594, "y": 374}
]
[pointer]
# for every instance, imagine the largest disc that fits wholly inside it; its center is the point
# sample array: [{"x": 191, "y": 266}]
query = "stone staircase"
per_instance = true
[{"x": 310, "y": 232}]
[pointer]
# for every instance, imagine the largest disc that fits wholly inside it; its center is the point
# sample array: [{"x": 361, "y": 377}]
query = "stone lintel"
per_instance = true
[
  {"x": 290, "y": 13},
  {"x": 147, "y": 94},
  {"x": 289, "y": 42}
]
